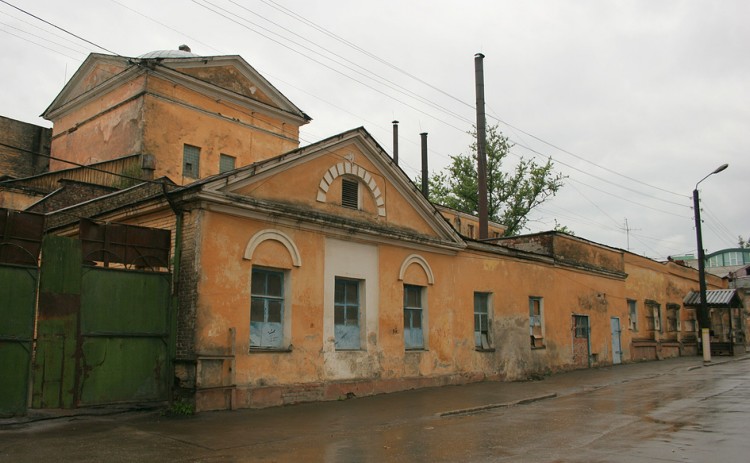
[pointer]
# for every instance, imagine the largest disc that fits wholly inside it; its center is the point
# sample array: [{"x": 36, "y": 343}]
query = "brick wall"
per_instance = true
[
  {"x": 16, "y": 140},
  {"x": 188, "y": 286},
  {"x": 71, "y": 193}
]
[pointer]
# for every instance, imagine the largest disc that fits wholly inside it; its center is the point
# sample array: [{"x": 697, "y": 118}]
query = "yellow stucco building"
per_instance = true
[{"x": 321, "y": 272}]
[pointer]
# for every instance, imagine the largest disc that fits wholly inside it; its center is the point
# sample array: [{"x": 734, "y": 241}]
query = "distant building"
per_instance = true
[
  {"x": 721, "y": 263},
  {"x": 24, "y": 149}
]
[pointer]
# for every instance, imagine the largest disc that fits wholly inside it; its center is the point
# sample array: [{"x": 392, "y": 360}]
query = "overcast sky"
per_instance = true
[{"x": 635, "y": 101}]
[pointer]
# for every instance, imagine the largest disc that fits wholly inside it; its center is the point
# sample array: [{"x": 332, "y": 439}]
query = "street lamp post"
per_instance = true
[{"x": 704, "y": 318}]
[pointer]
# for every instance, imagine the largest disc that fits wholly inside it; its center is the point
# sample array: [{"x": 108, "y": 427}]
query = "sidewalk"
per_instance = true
[
  {"x": 390, "y": 427},
  {"x": 438, "y": 401}
]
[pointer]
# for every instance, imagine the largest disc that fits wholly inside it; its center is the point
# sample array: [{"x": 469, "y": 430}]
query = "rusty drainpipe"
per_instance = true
[
  {"x": 425, "y": 183},
  {"x": 395, "y": 142}
]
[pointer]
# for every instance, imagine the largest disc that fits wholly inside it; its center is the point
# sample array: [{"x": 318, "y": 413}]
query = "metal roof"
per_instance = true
[
  {"x": 168, "y": 54},
  {"x": 714, "y": 298}
]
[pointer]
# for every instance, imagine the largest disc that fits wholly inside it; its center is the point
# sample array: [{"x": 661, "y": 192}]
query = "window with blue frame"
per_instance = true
[
  {"x": 346, "y": 314},
  {"x": 536, "y": 325},
  {"x": 413, "y": 317},
  {"x": 267, "y": 309},
  {"x": 482, "y": 321}
]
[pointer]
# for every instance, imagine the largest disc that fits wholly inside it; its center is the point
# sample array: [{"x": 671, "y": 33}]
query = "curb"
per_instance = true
[{"x": 466, "y": 411}]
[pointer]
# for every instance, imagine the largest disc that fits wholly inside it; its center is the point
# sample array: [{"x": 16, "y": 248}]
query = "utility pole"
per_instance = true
[{"x": 704, "y": 316}]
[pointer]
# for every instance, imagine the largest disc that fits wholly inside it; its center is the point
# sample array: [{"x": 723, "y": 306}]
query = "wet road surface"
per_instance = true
[{"x": 668, "y": 411}]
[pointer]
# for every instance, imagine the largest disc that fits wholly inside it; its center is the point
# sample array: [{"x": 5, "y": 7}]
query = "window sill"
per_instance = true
[
  {"x": 480, "y": 349},
  {"x": 417, "y": 350},
  {"x": 270, "y": 350},
  {"x": 538, "y": 347}
]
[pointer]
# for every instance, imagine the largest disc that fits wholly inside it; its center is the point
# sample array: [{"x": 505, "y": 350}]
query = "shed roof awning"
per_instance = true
[{"x": 726, "y": 298}]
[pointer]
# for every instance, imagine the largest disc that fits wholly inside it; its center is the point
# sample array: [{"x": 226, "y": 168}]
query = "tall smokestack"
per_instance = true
[
  {"x": 481, "y": 146},
  {"x": 395, "y": 142},
  {"x": 425, "y": 184}
]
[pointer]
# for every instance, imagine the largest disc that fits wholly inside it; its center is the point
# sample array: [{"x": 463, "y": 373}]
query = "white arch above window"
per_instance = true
[
  {"x": 419, "y": 260},
  {"x": 349, "y": 168},
  {"x": 276, "y": 235}
]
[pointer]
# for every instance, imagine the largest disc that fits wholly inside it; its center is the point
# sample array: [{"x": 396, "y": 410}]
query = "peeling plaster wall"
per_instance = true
[
  {"x": 101, "y": 129},
  {"x": 664, "y": 284},
  {"x": 154, "y": 116},
  {"x": 312, "y": 369},
  {"x": 308, "y": 367}
]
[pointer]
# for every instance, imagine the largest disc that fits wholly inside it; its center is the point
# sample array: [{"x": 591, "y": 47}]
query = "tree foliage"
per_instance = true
[
  {"x": 743, "y": 243},
  {"x": 510, "y": 195}
]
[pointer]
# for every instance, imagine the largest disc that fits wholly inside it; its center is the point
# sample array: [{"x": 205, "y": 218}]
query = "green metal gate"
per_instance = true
[
  {"x": 20, "y": 237},
  {"x": 124, "y": 337},
  {"x": 103, "y": 325},
  {"x": 17, "y": 296},
  {"x": 100, "y": 307}
]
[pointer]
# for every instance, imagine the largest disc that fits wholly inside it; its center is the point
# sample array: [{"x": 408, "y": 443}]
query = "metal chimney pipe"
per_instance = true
[
  {"x": 395, "y": 142},
  {"x": 481, "y": 146},
  {"x": 425, "y": 183}
]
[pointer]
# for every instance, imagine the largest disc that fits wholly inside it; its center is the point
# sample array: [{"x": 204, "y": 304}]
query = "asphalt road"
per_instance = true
[{"x": 670, "y": 411}]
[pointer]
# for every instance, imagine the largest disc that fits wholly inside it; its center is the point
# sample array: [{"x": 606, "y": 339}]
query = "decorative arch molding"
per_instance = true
[
  {"x": 419, "y": 260},
  {"x": 276, "y": 235},
  {"x": 349, "y": 168}
]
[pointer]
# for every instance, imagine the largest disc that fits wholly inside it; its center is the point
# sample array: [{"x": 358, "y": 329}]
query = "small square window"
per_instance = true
[{"x": 226, "y": 163}]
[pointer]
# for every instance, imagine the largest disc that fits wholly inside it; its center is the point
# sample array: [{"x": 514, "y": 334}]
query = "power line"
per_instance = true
[
  {"x": 165, "y": 25},
  {"x": 368, "y": 73},
  {"x": 325, "y": 31},
  {"x": 40, "y": 37},
  {"x": 57, "y": 27},
  {"x": 40, "y": 45},
  {"x": 59, "y": 36},
  {"x": 584, "y": 159},
  {"x": 432, "y": 116},
  {"x": 462, "y": 130}
]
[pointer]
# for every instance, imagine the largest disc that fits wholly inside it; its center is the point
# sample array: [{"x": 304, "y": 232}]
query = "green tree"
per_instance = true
[
  {"x": 510, "y": 195},
  {"x": 742, "y": 242},
  {"x": 563, "y": 228}
]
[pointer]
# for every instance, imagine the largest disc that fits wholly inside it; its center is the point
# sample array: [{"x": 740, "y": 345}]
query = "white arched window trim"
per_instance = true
[
  {"x": 275, "y": 235},
  {"x": 349, "y": 168},
  {"x": 419, "y": 260}
]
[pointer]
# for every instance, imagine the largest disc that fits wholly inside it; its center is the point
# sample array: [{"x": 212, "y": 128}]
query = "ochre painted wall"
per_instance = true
[
  {"x": 383, "y": 363},
  {"x": 100, "y": 129},
  {"x": 152, "y": 115},
  {"x": 307, "y": 179}
]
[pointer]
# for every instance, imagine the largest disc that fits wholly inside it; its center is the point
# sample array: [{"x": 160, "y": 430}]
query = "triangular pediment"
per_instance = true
[
  {"x": 316, "y": 181},
  {"x": 98, "y": 71},
  {"x": 234, "y": 74},
  {"x": 222, "y": 77}
]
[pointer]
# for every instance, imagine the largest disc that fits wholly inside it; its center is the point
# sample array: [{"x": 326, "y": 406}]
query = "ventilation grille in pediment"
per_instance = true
[{"x": 350, "y": 193}]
